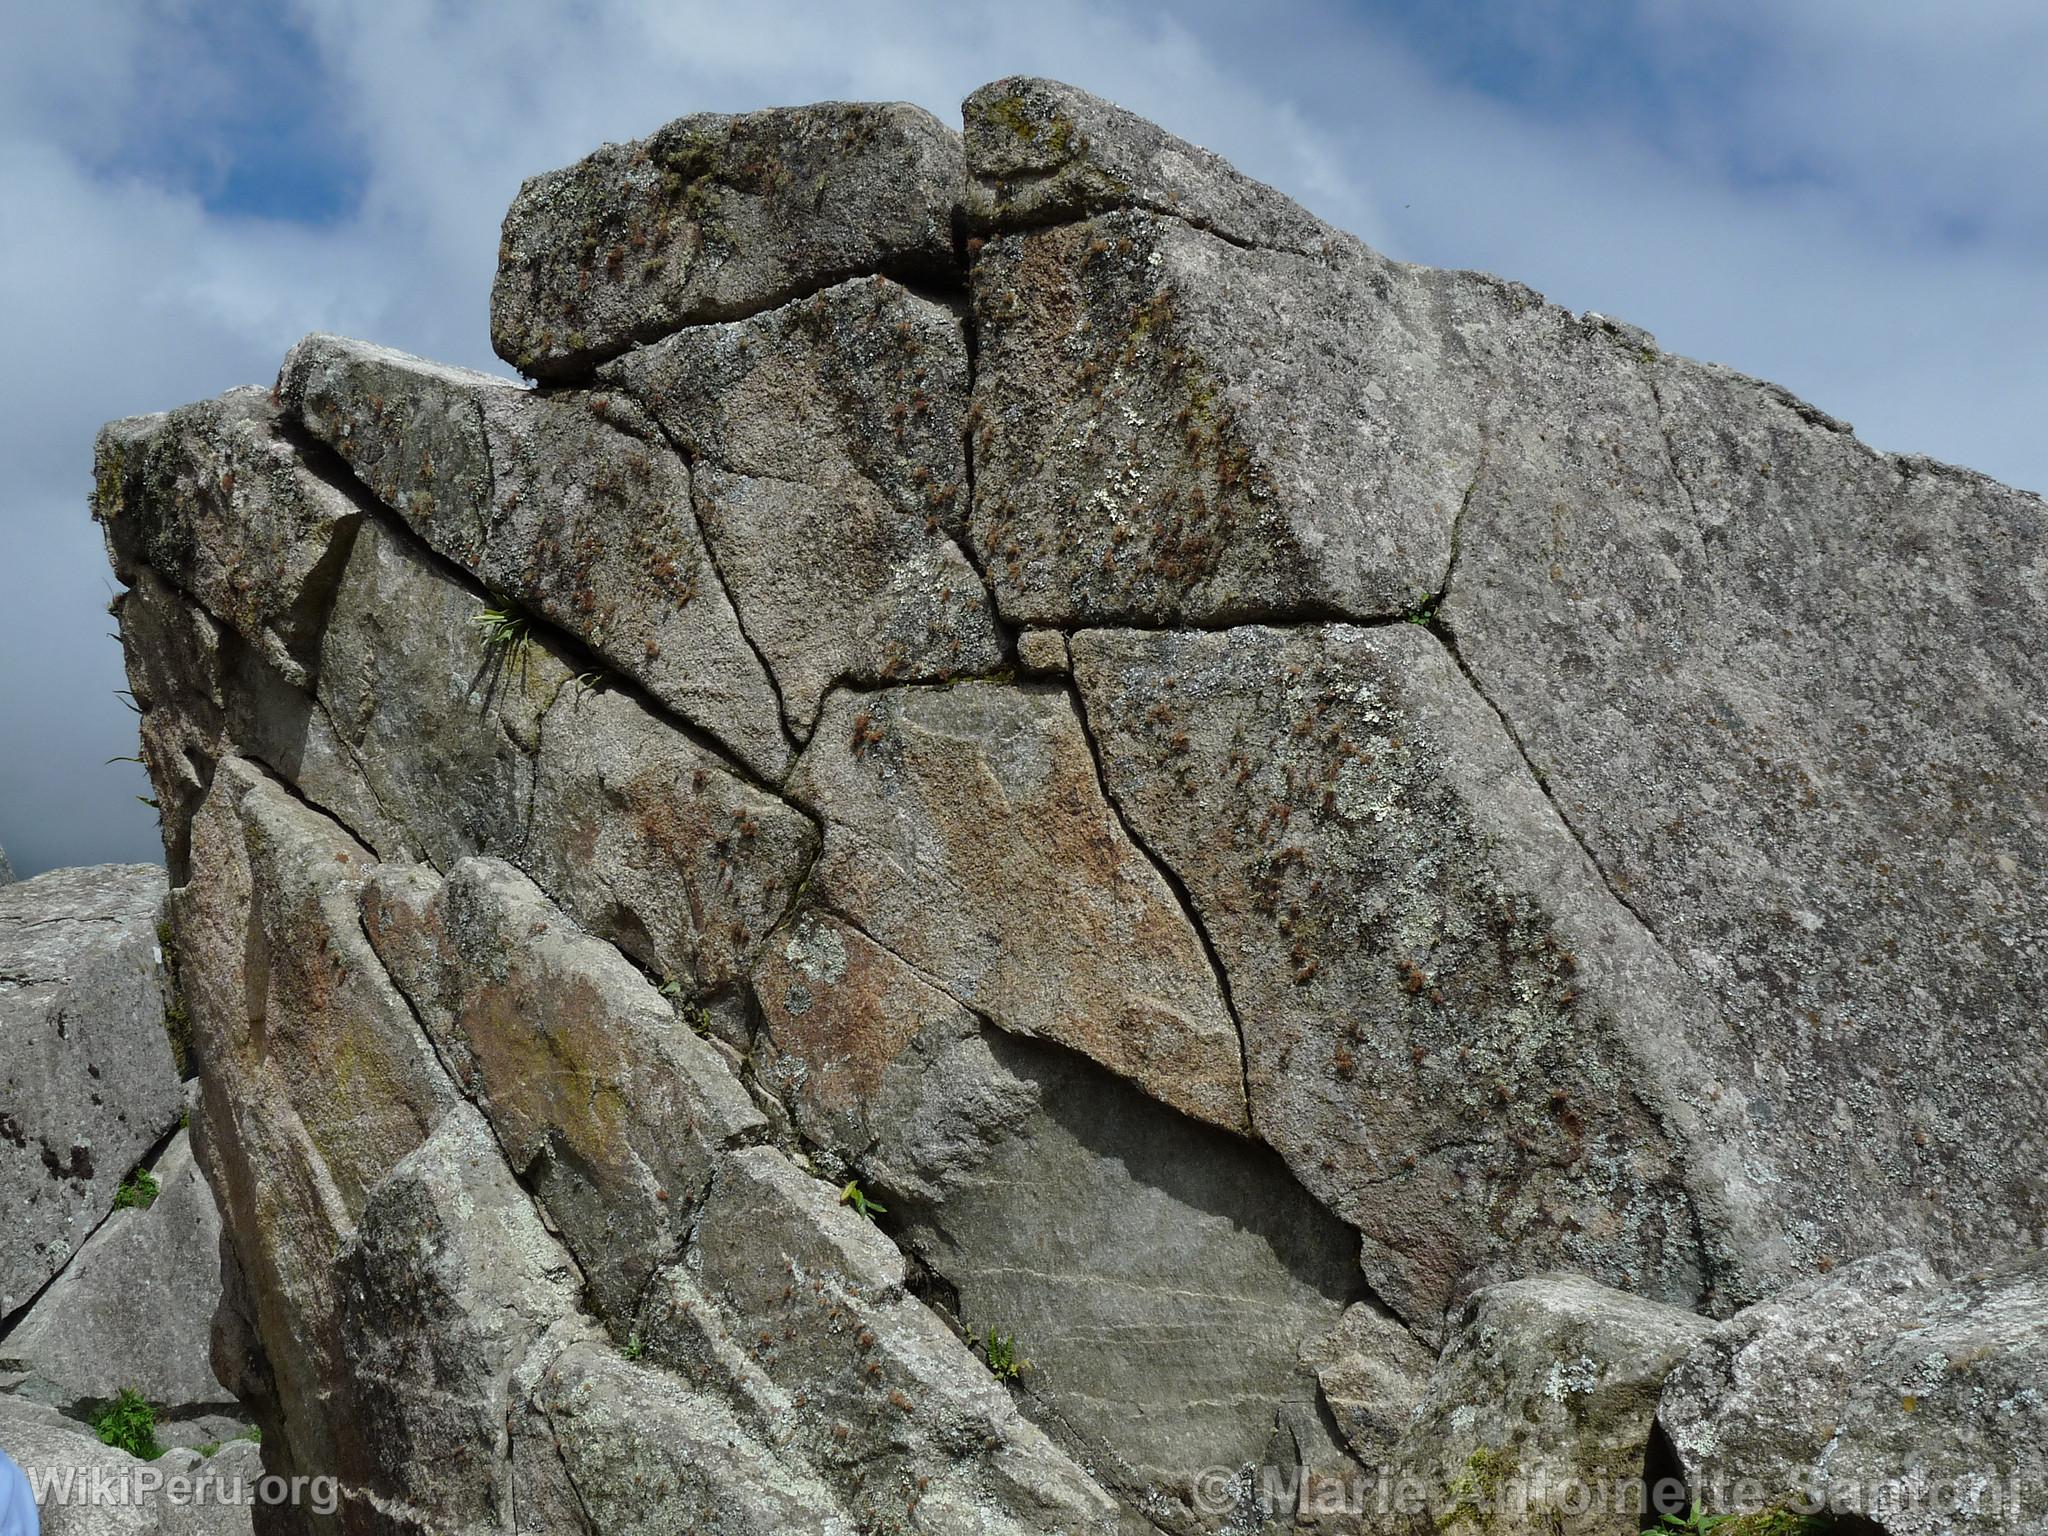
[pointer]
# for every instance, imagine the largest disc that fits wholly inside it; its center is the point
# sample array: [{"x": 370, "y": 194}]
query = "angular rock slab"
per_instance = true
[
  {"x": 448, "y": 1284},
  {"x": 1160, "y": 1274},
  {"x": 218, "y": 501},
  {"x": 1040, "y": 152},
  {"x": 641, "y": 834},
  {"x": 316, "y": 1084},
  {"x": 714, "y": 218},
  {"x": 1174, "y": 430},
  {"x": 88, "y": 1083},
  {"x": 205, "y": 693},
  {"x": 134, "y": 1309},
  {"x": 1454, "y": 1034},
  {"x": 570, "y": 506},
  {"x": 1787, "y": 688},
  {"x": 1881, "y": 1389},
  {"x": 797, "y": 1304},
  {"x": 1540, "y": 1414},
  {"x": 827, "y": 459},
  {"x": 981, "y": 802},
  {"x": 608, "y": 1107}
]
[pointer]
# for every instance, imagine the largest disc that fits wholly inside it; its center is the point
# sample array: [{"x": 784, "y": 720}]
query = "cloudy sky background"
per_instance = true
[{"x": 1846, "y": 196}]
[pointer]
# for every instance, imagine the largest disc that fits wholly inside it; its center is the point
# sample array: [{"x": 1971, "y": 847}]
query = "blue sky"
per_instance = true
[{"x": 1842, "y": 195}]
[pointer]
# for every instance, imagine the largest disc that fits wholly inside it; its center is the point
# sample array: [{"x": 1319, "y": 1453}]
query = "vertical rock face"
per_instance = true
[
  {"x": 1027, "y": 754},
  {"x": 87, "y": 1081}
]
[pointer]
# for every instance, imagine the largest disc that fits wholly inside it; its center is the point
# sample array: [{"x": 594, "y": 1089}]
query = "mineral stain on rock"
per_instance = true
[{"x": 1025, "y": 753}]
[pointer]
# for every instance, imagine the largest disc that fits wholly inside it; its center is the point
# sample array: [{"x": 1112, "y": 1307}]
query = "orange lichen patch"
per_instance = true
[{"x": 846, "y": 1020}]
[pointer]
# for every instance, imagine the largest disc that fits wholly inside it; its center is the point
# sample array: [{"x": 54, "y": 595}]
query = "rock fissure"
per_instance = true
[{"x": 1182, "y": 895}]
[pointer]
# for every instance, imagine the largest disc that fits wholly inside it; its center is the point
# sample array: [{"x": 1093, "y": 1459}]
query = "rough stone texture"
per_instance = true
[
  {"x": 1785, "y": 689},
  {"x": 216, "y": 499},
  {"x": 982, "y": 802},
  {"x": 1537, "y": 1417},
  {"x": 715, "y": 218},
  {"x": 800, "y": 1304},
  {"x": 133, "y": 1310},
  {"x": 1882, "y": 1390},
  {"x": 1761, "y": 1397},
  {"x": 1444, "y": 1009},
  {"x": 113, "y": 1494},
  {"x": 1219, "y": 1010},
  {"x": 1371, "y": 1371},
  {"x": 644, "y": 835},
  {"x": 610, "y": 1109},
  {"x": 6, "y": 869},
  {"x": 828, "y": 465},
  {"x": 1171, "y": 429},
  {"x": 570, "y": 506},
  {"x": 1159, "y": 1274},
  {"x": 1040, "y": 152},
  {"x": 87, "y": 1081},
  {"x": 1120, "y": 1285}
]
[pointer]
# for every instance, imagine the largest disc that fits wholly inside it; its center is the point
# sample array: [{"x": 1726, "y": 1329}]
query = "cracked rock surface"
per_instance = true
[{"x": 1025, "y": 754}]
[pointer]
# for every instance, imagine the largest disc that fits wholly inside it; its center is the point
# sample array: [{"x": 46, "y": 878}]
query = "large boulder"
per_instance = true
[
  {"x": 713, "y": 218},
  {"x": 133, "y": 1311},
  {"x": 1883, "y": 1391},
  {"x": 88, "y": 1084},
  {"x": 1026, "y": 752},
  {"x": 1539, "y": 1415}
]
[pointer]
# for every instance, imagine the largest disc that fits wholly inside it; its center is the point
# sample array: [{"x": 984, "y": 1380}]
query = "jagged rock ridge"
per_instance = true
[{"x": 1254, "y": 797}]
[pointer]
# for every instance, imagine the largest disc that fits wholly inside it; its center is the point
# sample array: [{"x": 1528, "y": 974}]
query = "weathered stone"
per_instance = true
[
  {"x": 1761, "y": 1397},
  {"x": 640, "y": 834},
  {"x": 805, "y": 1294},
  {"x": 316, "y": 1082},
  {"x": 87, "y": 1081},
  {"x": 1159, "y": 1274},
  {"x": 569, "y": 505},
  {"x": 1783, "y": 687},
  {"x": 1539, "y": 1417},
  {"x": 1042, "y": 652},
  {"x": 645, "y": 1452},
  {"x": 837, "y": 1011},
  {"x": 6, "y": 869},
  {"x": 714, "y": 218},
  {"x": 446, "y": 1284},
  {"x": 982, "y": 802},
  {"x": 92, "y": 1489},
  {"x": 1163, "y": 1316},
  {"x": 205, "y": 693},
  {"x": 1372, "y": 1372},
  {"x": 1040, "y": 152},
  {"x": 217, "y": 500},
  {"x": 133, "y": 1310},
  {"x": 1446, "y": 1013},
  {"x": 827, "y": 457},
  {"x": 1661, "y": 905},
  {"x": 608, "y": 1107},
  {"x": 1881, "y": 1390},
  {"x": 1174, "y": 430}
]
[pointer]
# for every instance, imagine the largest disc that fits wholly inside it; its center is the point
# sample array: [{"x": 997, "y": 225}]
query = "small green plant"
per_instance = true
[
  {"x": 138, "y": 1191},
  {"x": 1694, "y": 1522},
  {"x": 671, "y": 989},
  {"x": 634, "y": 1347},
  {"x": 1000, "y": 1350},
  {"x": 505, "y": 633},
  {"x": 130, "y": 1425},
  {"x": 856, "y": 1197}
]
